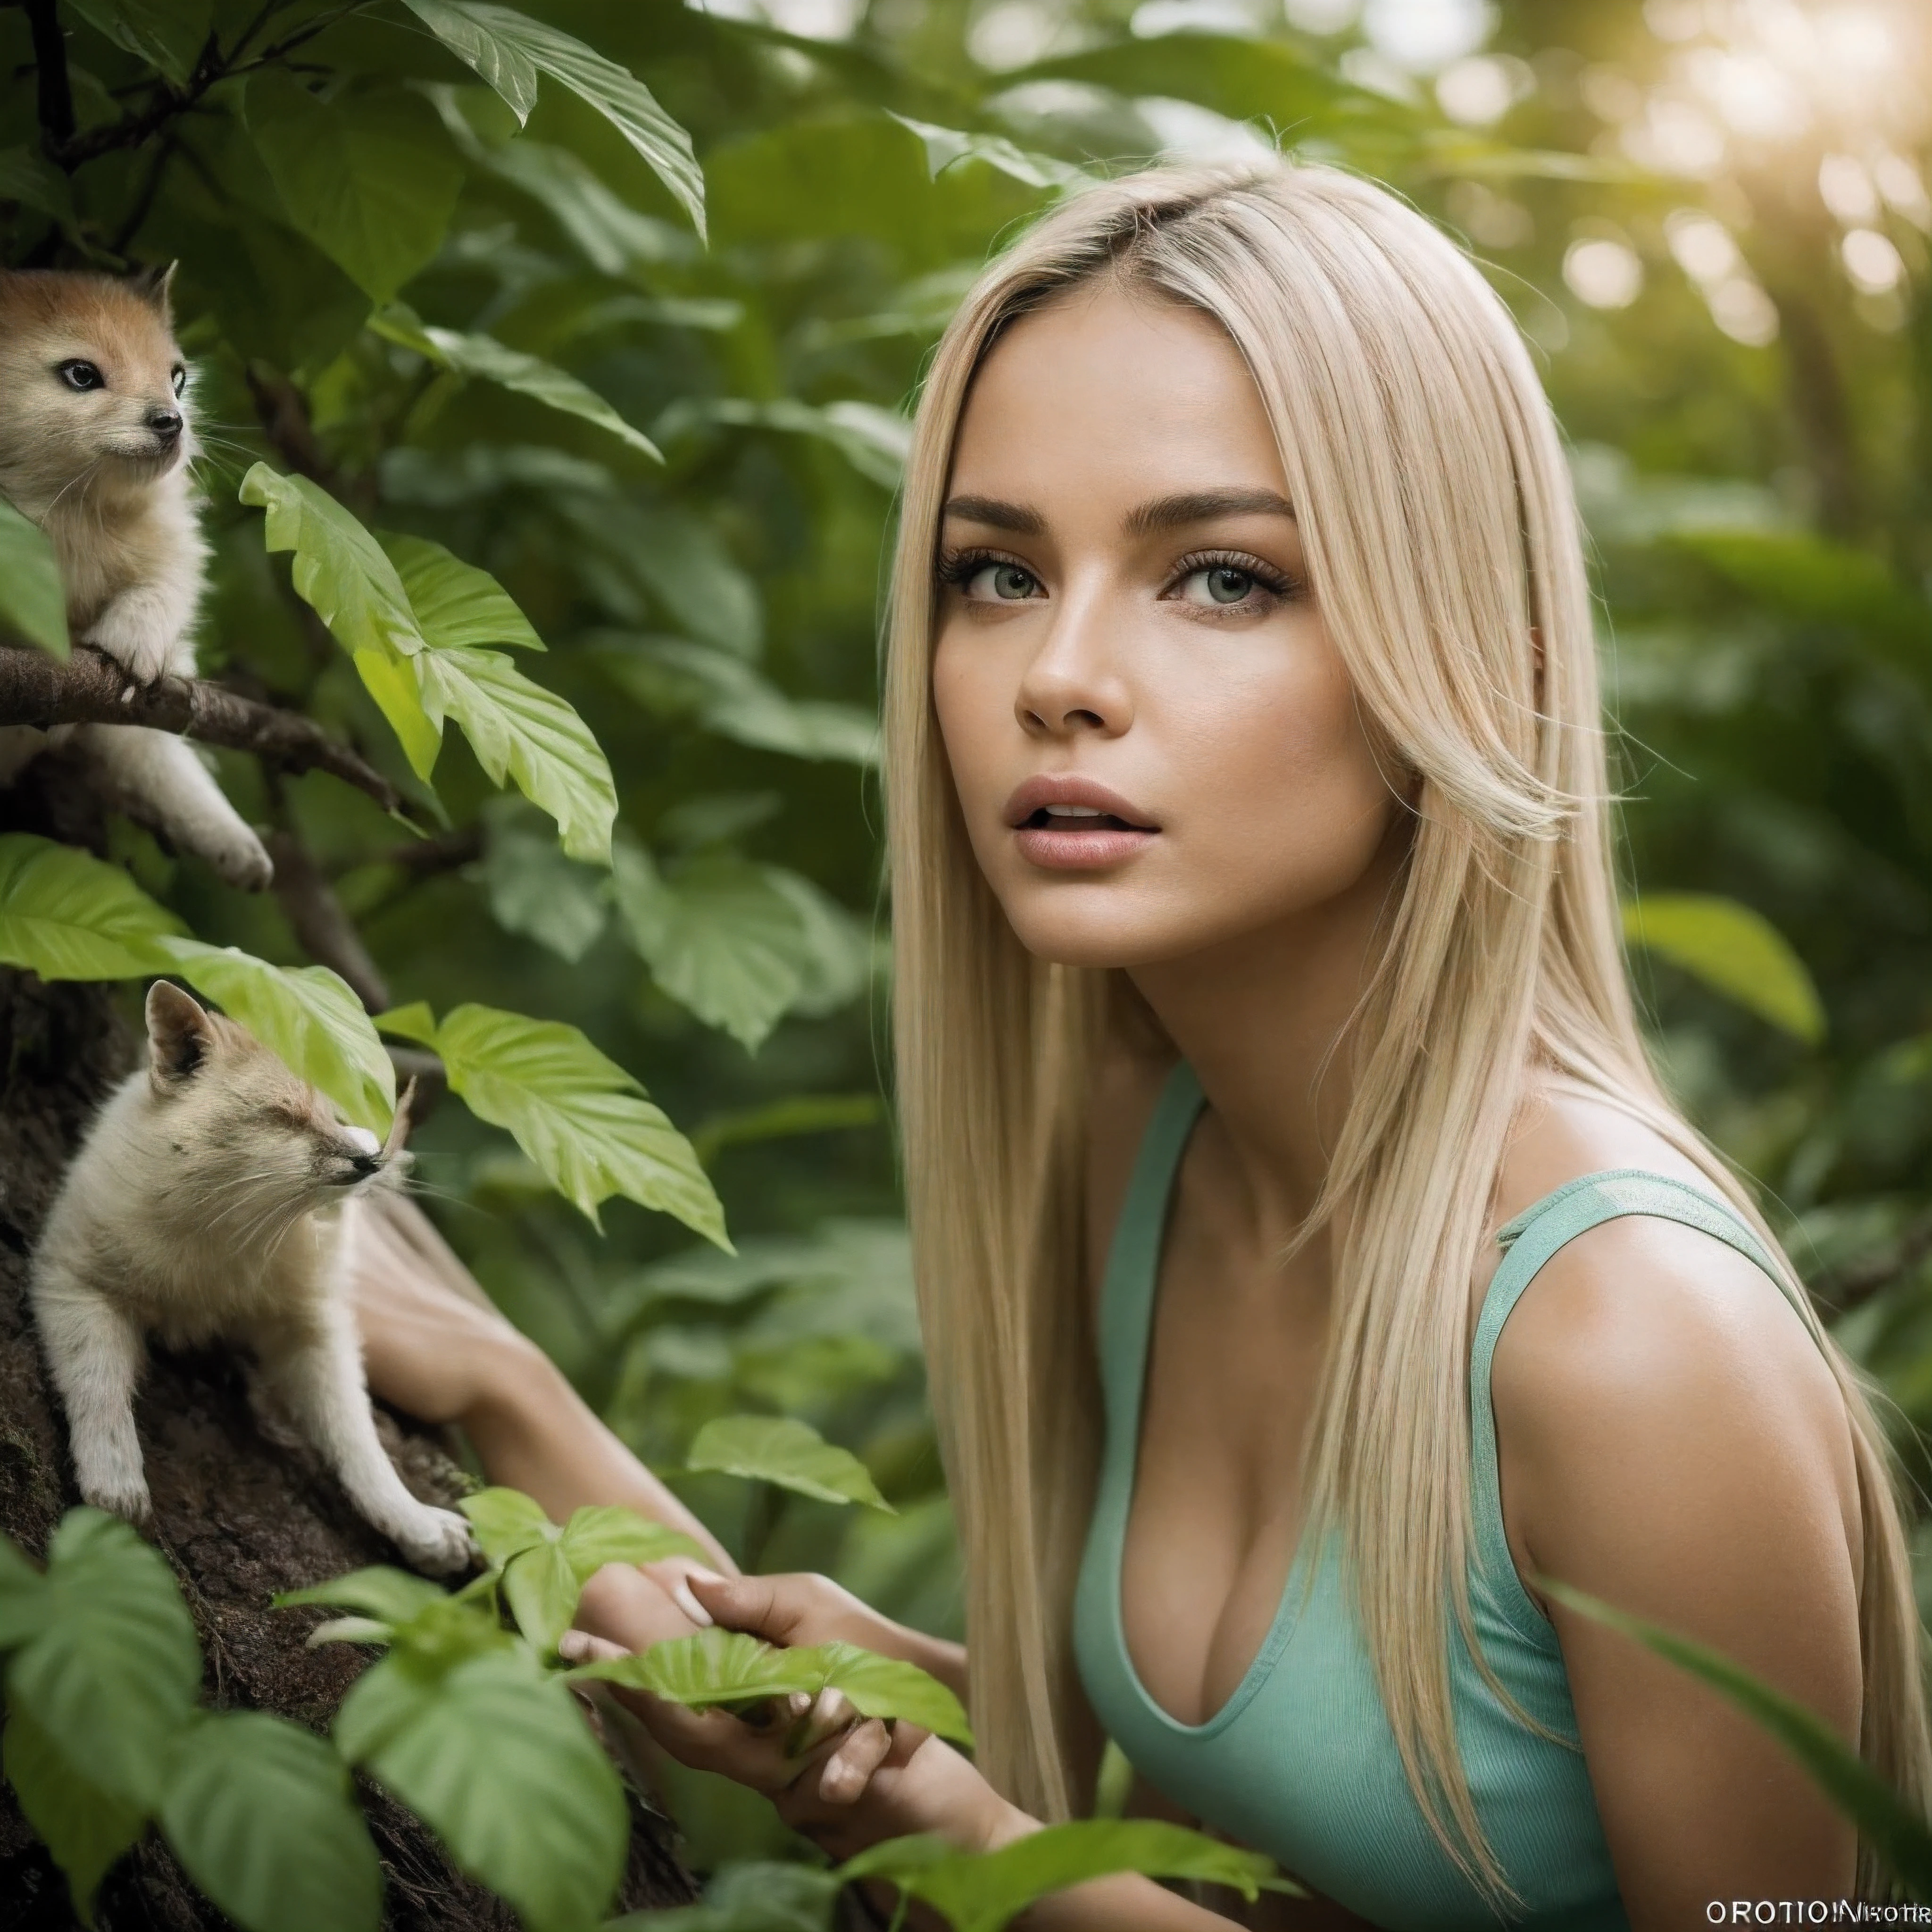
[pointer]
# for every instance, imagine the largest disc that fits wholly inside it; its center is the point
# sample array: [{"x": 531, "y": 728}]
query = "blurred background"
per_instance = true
[{"x": 1711, "y": 218}]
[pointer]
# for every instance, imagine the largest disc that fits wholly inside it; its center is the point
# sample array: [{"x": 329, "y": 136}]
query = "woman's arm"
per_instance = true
[{"x": 1673, "y": 1441}]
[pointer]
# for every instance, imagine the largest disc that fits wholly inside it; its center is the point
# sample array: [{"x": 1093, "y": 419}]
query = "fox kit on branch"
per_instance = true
[
  {"x": 215, "y": 1197},
  {"x": 95, "y": 440}
]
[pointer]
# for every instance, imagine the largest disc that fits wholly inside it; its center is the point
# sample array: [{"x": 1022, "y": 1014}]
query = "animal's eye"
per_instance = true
[
  {"x": 181, "y": 379},
  {"x": 79, "y": 375}
]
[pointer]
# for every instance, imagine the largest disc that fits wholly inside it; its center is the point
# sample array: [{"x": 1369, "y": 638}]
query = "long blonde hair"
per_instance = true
[{"x": 1442, "y": 545}]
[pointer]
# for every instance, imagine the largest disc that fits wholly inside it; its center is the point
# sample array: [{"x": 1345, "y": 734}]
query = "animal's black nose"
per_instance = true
[
  {"x": 366, "y": 1163},
  {"x": 166, "y": 424}
]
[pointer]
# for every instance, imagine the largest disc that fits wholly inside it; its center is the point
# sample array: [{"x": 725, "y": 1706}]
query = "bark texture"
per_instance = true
[{"x": 238, "y": 1518}]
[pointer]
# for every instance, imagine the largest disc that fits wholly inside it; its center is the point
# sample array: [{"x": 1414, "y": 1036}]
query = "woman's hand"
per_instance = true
[{"x": 843, "y": 1782}]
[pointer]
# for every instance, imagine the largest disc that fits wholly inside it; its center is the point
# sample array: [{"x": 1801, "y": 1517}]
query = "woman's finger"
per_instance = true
[{"x": 849, "y": 1768}]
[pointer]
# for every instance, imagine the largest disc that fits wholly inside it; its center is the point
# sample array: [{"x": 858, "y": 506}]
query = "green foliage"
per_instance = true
[
  {"x": 780, "y": 1449},
  {"x": 1902, "y": 1838},
  {"x": 66, "y": 915},
  {"x": 32, "y": 601},
  {"x": 1733, "y": 950}
]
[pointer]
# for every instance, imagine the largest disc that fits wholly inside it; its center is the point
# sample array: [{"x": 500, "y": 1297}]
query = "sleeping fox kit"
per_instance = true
[
  {"x": 95, "y": 442},
  {"x": 217, "y": 1197}
]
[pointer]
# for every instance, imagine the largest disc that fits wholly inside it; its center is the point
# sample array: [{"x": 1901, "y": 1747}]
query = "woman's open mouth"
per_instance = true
[{"x": 1070, "y": 824}]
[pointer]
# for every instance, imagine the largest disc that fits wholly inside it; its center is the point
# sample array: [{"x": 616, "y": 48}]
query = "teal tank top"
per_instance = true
[{"x": 1301, "y": 1762}]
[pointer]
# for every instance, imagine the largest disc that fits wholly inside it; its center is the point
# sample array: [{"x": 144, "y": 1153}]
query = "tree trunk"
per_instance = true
[{"x": 238, "y": 1518}]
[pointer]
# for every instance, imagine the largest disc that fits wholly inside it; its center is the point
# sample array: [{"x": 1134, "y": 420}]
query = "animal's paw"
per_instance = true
[
  {"x": 239, "y": 856},
  {"x": 436, "y": 1541},
  {"x": 144, "y": 653},
  {"x": 128, "y": 1499}
]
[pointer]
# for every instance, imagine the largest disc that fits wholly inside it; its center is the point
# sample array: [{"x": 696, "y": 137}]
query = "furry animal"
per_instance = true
[
  {"x": 95, "y": 440},
  {"x": 216, "y": 1197}
]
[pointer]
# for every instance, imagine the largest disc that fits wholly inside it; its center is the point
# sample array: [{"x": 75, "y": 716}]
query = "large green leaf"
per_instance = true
[
  {"x": 711, "y": 1666},
  {"x": 780, "y": 1449},
  {"x": 1901, "y": 1837},
  {"x": 1733, "y": 950},
  {"x": 67, "y": 915},
  {"x": 393, "y": 1595},
  {"x": 305, "y": 1014},
  {"x": 344, "y": 574},
  {"x": 168, "y": 34},
  {"x": 494, "y": 1757},
  {"x": 495, "y": 40},
  {"x": 505, "y": 1522},
  {"x": 538, "y": 891},
  {"x": 601, "y": 1533},
  {"x": 945, "y": 146},
  {"x": 112, "y": 1667},
  {"x": 454, "y": 604},
  {"x": 33, "y": 600},
  {"x": 500, "y": 65},
  {"x": 262, "y": 1815},
  {"x": 84, "y": 1828},
  {"x": 370, "y": 178},
  {"x": 720, "y": 938},
  {"x": 580, "y": 1117},
  {"x": 485, "y": 357},
  {"x": 888, "y": 1687},
  {"x": 985, "y": 1891},
  {"x": 521, "y": 732}
]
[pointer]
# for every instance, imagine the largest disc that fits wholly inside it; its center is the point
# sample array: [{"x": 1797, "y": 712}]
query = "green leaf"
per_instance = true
[
  {"x": 67, "y": 915},
  {"x": 945, "y": 146},
  {"x": 29, "y": 177},
  {"x": 349, "y": 1630},
  {"x": 1734, "y": 950},
  {"x": 505, "y": 1522},
  {"x": 168, "y": 34},
  {"x": 681, "y": 563},
  {"x": 84, "y": 1828},
  {"x": 585, "y": 1122},
  {"x": 887, "y": 1686},
  {"x": 113, "y": 1669},
  {"x": 541, "y": 1590},
  {"x": 619, "y": 96},
  {"x": 712, "y": 1666},
  {"x": 874, "y": 441},
  {"x": 393, "y": 1595},
  {"x": 306, "y": 1016},
  {"x": 984, "y": 1892},
  {"x": 719, "y": 938},
  {"x": 535, "y": 890},
  {"x": 393, "y": 683},
  {"x": 370, "y": 178},
  {"x": 494, "y": 1758},
  {"x": 262, "y": 1816},
  {"x": 496, "y": 62},
  {"x": 1901, "y": 1837},
  {"x": 780, "y": 1449},
  {"x": 455, "y": 603},
  {"x": 520, "y": 731},
  {"x": 601, "y": 1533},
  {"x": 485, "y": 357},
  {"x": 33, "y": 600},
  {"x": 729, "y": 698}
]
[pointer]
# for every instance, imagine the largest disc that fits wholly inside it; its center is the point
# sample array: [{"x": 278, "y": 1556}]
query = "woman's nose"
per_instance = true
[{"x": 1073, "y": 683}]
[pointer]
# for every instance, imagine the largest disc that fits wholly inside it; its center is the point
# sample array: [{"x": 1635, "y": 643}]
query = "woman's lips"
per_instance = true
[{"x": 1070, "y": 823}]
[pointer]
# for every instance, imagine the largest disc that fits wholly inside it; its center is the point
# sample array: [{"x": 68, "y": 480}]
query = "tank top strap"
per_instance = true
[
  {"x": 1528, "y": 1242},
  {"x": 1133, "y": 1258}
]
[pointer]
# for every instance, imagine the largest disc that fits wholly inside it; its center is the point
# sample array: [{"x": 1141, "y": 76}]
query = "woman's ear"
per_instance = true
[{"x": 180, "y": 1036}]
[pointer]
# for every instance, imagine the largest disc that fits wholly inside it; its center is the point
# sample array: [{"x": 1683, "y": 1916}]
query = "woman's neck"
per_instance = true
[{"x": 1260, "y": 1017}]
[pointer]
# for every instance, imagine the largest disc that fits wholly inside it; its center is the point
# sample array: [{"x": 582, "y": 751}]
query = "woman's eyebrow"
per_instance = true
[
  {"x": 1200, "y": 506},
  {"x": 999, "y": 515}
]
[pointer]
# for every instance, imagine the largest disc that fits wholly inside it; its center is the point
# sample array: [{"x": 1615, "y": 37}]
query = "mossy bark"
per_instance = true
[{"x": 238, "y": 1518}]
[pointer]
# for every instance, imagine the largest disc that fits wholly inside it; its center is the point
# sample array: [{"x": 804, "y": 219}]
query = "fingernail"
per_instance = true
[
  {"x": 576, "y": 1646},
  {"x": 697, "y": 1573},
  {"x": 680, "y": 1594}
]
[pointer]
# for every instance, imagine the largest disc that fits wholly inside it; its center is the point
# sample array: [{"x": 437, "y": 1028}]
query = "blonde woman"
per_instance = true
[{"x": 1308, "y": 1261}]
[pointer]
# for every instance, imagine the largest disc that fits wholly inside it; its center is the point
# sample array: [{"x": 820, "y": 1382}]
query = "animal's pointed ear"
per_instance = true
[
  {"x": 181, "y": 1035},
  {"x": 155, "y": 286}
]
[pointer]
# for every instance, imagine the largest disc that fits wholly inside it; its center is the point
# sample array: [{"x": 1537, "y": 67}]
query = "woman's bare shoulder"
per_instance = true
[{"x": 1127, "y": 1079}]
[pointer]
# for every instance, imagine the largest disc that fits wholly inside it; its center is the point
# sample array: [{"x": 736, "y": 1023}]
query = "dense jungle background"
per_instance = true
[{"x": 645, "y": 358}]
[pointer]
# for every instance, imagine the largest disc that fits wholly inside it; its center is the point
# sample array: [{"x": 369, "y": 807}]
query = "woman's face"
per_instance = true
[{"x": 1156, "y": 745}]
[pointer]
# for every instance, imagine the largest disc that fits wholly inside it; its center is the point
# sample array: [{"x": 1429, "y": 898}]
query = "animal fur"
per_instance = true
[
  {"x": 96, "y": 437},
  {"x": 216, "y": 1197}
]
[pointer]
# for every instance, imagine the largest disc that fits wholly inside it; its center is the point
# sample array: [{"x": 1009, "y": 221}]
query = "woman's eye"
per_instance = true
[
  {"x": 79, "y": 375},
  {"x": 1219, "y": 584},
  {"x": 1005, "y": 583}
]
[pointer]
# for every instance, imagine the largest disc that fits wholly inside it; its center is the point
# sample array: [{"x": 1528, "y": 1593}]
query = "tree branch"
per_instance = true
[
  {"x": 324, "y": 931},
  {"x": 90, "y": 689},
  {"x": 53, "y": 92}
]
